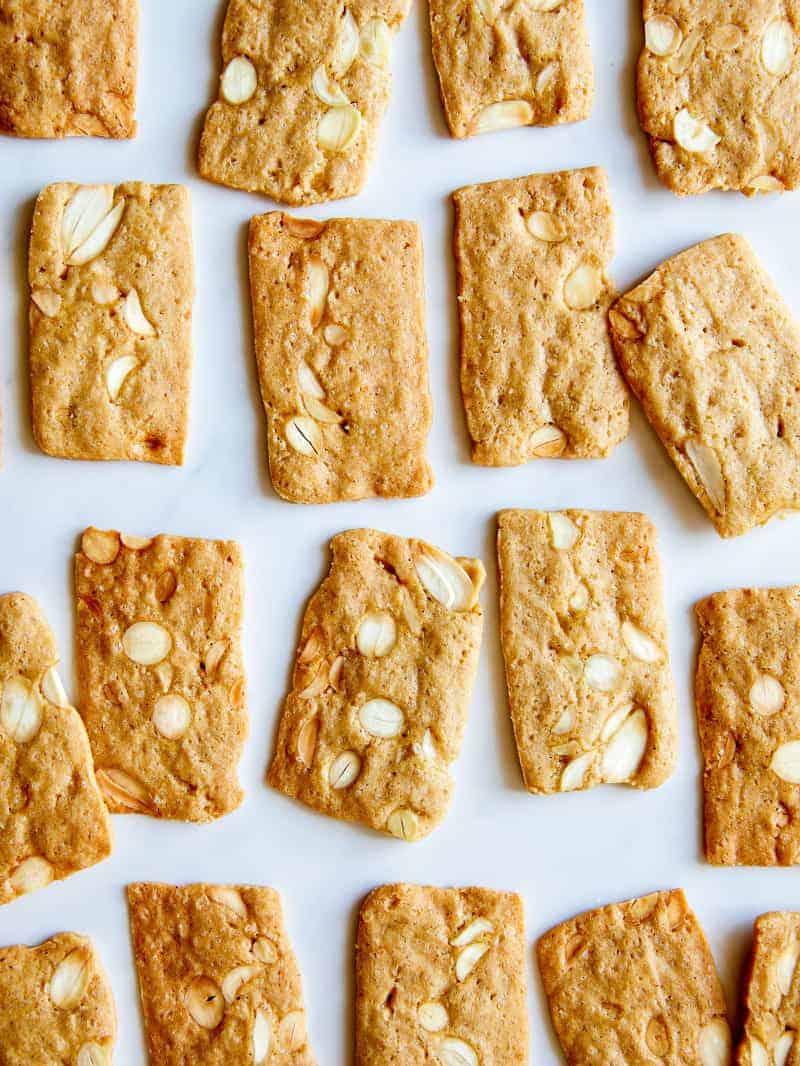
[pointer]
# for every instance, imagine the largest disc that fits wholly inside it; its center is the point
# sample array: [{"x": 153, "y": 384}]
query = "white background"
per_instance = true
[{"x": 564, "y": 854}]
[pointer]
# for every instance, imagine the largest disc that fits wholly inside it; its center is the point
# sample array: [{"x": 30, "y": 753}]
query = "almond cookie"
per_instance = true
[
  {"x": 441, "y": 977},
  {"x": 381, "y": 684},
  {"x": 717, "y": 90},
  {"x": 339, "y": 319},
  {"x": 635, "y": 982},
  {"x": 160, "y": 671},
  {"x": 584, "y": 637},
  {"x": 218, "y": 980},
  {"x": 503, "y": 64},
  {"x": 53, "y": 821},
  {"x": 717, "y": 377},
  {"x": 747, "y": 693},
  {"x": 538, "y": 375},
  {"x": 772, "y": 996},
  {"x": 68, "y": 69},
  {"x": 56, "y": 1005},
  {"x": 303, "y": 90},
  {"x": 111, "y": 289}
]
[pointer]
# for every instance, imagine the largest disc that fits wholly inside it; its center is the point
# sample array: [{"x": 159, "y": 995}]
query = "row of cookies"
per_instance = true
[
  {"x": 338, "y": 309},
  {"x": 301, "y": 94},
  {"x": 441, "y": 976}
]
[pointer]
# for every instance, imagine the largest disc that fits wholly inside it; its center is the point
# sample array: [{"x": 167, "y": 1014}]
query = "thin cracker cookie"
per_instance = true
[
  {"x": 538, "y": 376},
  {"x": 584, "y": 635},
  {"x": 339, "y": 319},
  {"x": 504, "y": 64},
  {"x": 441, "y": 977},
  {"x": 771, "y": 996},
  {"x": 160, "y": 671},
  {"x": 303, "y": 90},
  {"x": 218, "y": 980},
  {"x": 717, "y": 377},
  {"x": 53, "y": 821},
  {"x": 717, "y": 87},
  {"x": 111, "y": 289},
  {"x": 381, "y": 684},
  {"x": 747, "y": 693},
  {"x": 635, "y": 982}
]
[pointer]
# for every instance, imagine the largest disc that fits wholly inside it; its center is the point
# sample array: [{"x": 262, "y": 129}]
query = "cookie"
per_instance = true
[
  {"x": 584, "y": 636},
  {"x": 160, "y": 671},
  {"x": 303, "y": 90},
  {"x": 635, "y": 982},
  {"x": 717, "y": 84},
  {"x": 441, "y": 977},
  {"x": 111, "y": 289},
  {"x": 218, "y": 980},
  {"x": 68, "y": 69},
  {"x": 772, "y": 997},
  {"x": 746, "y": 692},
  {"x": 538, "y": 376},
  {"x": 503, "y": 64},
  {"x": 717, "y": 378},
  {"x": 339, "y": 320},
  {"x": 381, "y": 684},
  {"x": 53, "y": 821}
]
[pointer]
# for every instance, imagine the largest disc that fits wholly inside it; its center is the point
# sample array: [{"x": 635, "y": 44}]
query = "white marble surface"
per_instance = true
[{"x": 563, "y": 854}]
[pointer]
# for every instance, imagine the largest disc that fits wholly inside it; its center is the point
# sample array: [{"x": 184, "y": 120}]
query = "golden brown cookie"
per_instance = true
[
  {"x": 53, "y": 821},
  {"x": 717, "y": 377},
  {"x": 772, "y": 997},
  {"x": 218, "y": 980},
  {"x": 717, "y": 91},
  {"x": 303, "y": 89},
  {"x": 747, "y": 693},
  {"x": 584, "y": 635},
  {"x": 503, "y": 64},
  {"x": 381, "y": 684},
  {"x": 635, "y": 982},
  {"x": 538, "y": 376},
  {"x": 68, "y": 69},
  {"x": 111, "y": 287},
  {"x": 56, "y": 1005},
  {"x": 441, "y": 977},
  {"x": 339, "y": 317},
  {"x": 160, "y": 671}
]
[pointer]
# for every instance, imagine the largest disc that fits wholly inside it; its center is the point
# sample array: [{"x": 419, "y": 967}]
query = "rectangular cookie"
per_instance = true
[
  {"x": 717, "y": 377},
  {"x": 538, "y": 376},
  {"x": 68, "y": 69},
  {"x": 747, "y": 693},
  {"x": 504, "y": 64},
  {"x": 717, "y": 89},
  {"x": 302, "y": 93},
  {"x": 381, "y": 685},
  {"x": 53, "y": 821},
  {"x": 339, "y": 320},
  {"x": 635, "y": 982},
  {"x": 111, "y": 289},
  {"x": 772, "y": 996},
  {"x": 56, "y": 1004},
  {"x": 218, "y": 980},
  {"x": 441, "y": 977},
  {"x": 584, "y": 636},
  {"x": 160, "y": 671}
]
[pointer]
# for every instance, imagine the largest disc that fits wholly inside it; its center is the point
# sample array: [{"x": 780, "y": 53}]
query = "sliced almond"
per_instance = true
[
  {"x": 468, "y": 958},
  {"x": 146, "y": 643},
  {"x": 123, "y": 790},
  {"x": 455, "y": 1052},
  {"x": 235, "y": 978},
  {"x": 544, "y": 5},
  {"x": 344, "y": 769},
  {"x": 83, "y": 213},
  {"x": 714, "y": 1044},
  {"x": 382, "y": 718},
  {"x": 410, "y": 612},
  {"x": 20, "y": 710},
  {"x": 292, "y": 1031},
  {"x": 320, "y": 412},
  {"x": 104, "y": 293},
  {"x": 583, "y": 287},
  {"x": 205, "y": 1003},
  {"x": 777, "y": 47},
  {"x": 502, "y": 116},
  {"x": 662, "y": 35},
  {"x": 313, "y": 646},
  {"x": 444, "y": 579},
  {"x": 318, "y": 286},
  {"x": 346, "y": 47},
  {"x": 640, "y": 645},
  {"x": 403, "y": 824},
  {"x": 100, "y": 545},
  {"x": 786, "y": 966},
  {"x": 317, "y": 684},
  {"x": 575, "y": 772},
  {"x": 786, "y": 762},
  {"x": 548, "y": 442},
  {"x": 376, "y": 43},
  {"x": 681, "y": 60},
  {"x": 767, "y": 695},
  {"x": 227, "y": 896},
  {"x": 166, "y": 583},
  {"x": 625, "y": 751},
  {"x": 708, "y": 470},
  {"x": 214, "y": 655},
  {"x": 135, "y": 317},
  {"x": 307, "y": 380},
  {"x": 171, "y": 716},
  {"x": 622, "y": 325},
  {"x": 261, "y": 1038},
  {"x": 693, "y": 134},
  {"x": 93, "y": 1054},
  {"x": 759, "y": 1056},
  {"x": 327, "y": 90},
  {"x": 376, "y": 634},
  {"x": 489, "y": 9},
  {"x": 335, "y": 672},
  {"x": 563, "y": 531},
  {"x": 32, "y": 874},
  {"x": 97, "y": 241},
  {"x": 338, "y": 128},
  {"x": 306, "y": 742},
  {"x": 602, "y": 672},
  {"x": 236, "y": 693},
  {"x": 726, "y": 37},
  {"x": 783, "y": 1046},
  {"x": 303, "y": 435},
  {"x": 334, "y": 335},
  {"x": 135, "y": 544},
  {"x": 48, "y": 301},
  {"x": 546, "y": 77},
  {"x": 579, "y": 600},
  {"x": 656, "y": 1036},
  {"x": 239, "y": 81},
  {"x": 427, "y": 747},
  {"x": 52, "y": 688},
  {"x": 432, "y": 1017},
  {"x": 546, "y": 227},
  {"x": 477, "y": 928},
  {"x": 117, "y": 373},
  {"x": 764, "y": 183},
  {"x": 164, "y": 673},
  {"x": 565, "y": 723},
  {"x": 614, "y": 721},
  {"x": 70, "y": 979},
  {"x": 307, "y": 228},
  {"x": 264, "y": 950}
]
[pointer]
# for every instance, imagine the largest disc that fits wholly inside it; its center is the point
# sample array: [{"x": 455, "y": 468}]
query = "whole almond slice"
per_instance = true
[
  {"x": 564, "y": 533},
  {"x": 583, "y": 287},
  {"x": 432, "y": 1017},
  {"x": 305, "y": 228},
  {"x": 70, "y": 979},
  {"x": 548, "y": 442},
  {"x": 48, "y": 301},
  {"x": 303, "y": 435},
  {"x": 403, "y": 823},
  {"x": 214, "y": 654},
  {"x": 165, "y": 586},
  {"x": 455, "y": 1052},
  {"x": 172, "y": 716},
  {"x": 693, "y": 134},
  {"x": 326, "y": 89},
  {"x": 135, "y": 317},
  {"x": 477, "y": 928},
  {"x": 602, "y": 672},
  {"x": 227, "y": 896},
  {"x": 292, "y": 1031},
  {"x": 708, "y": 470},
  {"x": 382, "y": 718},
  {"x": 782, "y": 1048},
  {"x": 320, "y": 412},
  {"x": 376, "y": 634},
  {"x": 52, "y": 688},
  {"x": 344, "y": 769},
  {"x": 239, "y": 81},
  {"x": 614, "y": 721},
  {"x": 93, "y": 1054},
  {"x": 777, "y": 47},
  {"x": 575, "y": 772},
  {"x": 117, "y": 373},
  {"x": 565, "y": 722},
  {"x": 123, "y": 789},
  {"x": 444, "y": 579},
  {"x": 306, "y": 742},
  {"x": 427, "y": 747},
  {"x": 318, "y": 286},
  {"x": 20, "y": 710},
  {"x": 99, "y": 239},
  {"x": 786, "y": 762},
  {"x": 505, "y": 114},
  {"x": 546, "y": 227},
  {"x": 146, "y": 643},
  {"x": 662, "y": 35},
  {"x": 334, "y": 335},
  {"x": 313, "y": 646},
  {"x": 261, "y": 1038},
  {"x": 338, "y": 128},
  {"x": 32, "y": 874},
  {"x": 136, "y": 544},
  {"x": 639, "y": 644},
  {"x": 624, "y": 752},
  {"x": 347, "y": 42},
  {"x": 767, "y": 695},
  {"x": 204, "y": 1002},
  {"x": 235, "y": 978},
  {"x": 714, "y": 1044},
  {"x": 376, "y": 42},
  {"x": 468, "y": 958},
  {"x": 83, "y": 213},
  {"x": 786, "y": 966},
  {"x": 306, "y": 378}
]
